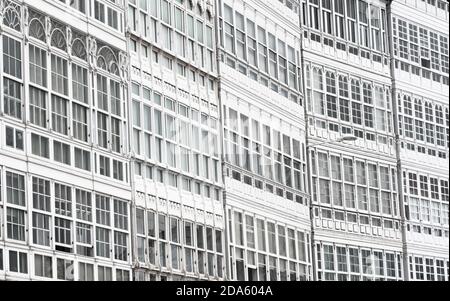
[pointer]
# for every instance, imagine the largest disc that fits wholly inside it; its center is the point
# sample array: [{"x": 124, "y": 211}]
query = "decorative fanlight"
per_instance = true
[
  {"x": 201, "y": 5},
  {"x": 210, "y": 8}
]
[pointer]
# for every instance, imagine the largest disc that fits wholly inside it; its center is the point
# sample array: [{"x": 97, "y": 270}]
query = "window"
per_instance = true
[
  {"x": 79, "y": 83},
  {"x": 384, "y": 178},
  {"x": 390, "y": 264},
  {"x": 59, "y": 115},
  {"x": 341, "y": 259},
  {"x": 429, "y": 269},
  {"x": 104, "y": 273},
  {"x": 82, "y": 159},
  {"x": 14, "y": 138},
  {"x": 59, "y": 75},
  {"x": 38, "y": 66},
  {"x": 15, "y": 223},
  {"x": 354, "y": 260},
  {"x": 328, "y": 256},
  {"x": 39, "y": 146},
  {"x": 238, "y": 228},
  {"x": 444, "y": 191},
  {"x": 440, "y": 270},
  {"x": 79, "y": 5},
  {"x": 63, "y": 200},
  {"x": 41, "y": 194},
  {"x": 61, "y": 152},
  {"x": 348, "y": 170},
  {"x": 102, "y": 92},
  {"x": 84, "y": 236},
  {"x": 102, "y": 210},
  {"x": 250, "y": 229},
  {"x": 349, "y": 193},
  {"x": 386, "y": 202},
  {"x": 419, "y": 268},
  {"x": 113, "y": 18},
  {"x": 12, "y": 95},
  {"x": 120, "y": 246},
  {"x": 99, "y": 11},
  {"x": 102, "y": 130},
  {"x": 79, "y": 122},
  {"x": 413, "y": 184},
  {"x": 63, "y": 231},
  {"x": 374, "y": 200},
  {"x": 18, "y": 262},
  {"x": 151, "y": 227},
  {"x": 104, "y": 166},
  {"x": 12, "y": 57},
  {"x": 120, "y": 214},
  {"x": 83, "y": 205},
  {"x": 43, "y": 266},
  {"x": 122, "y": 275},
  {"x": 38, "y": 107},
  {"x": 103, "y": 242},
  {"x": 64, "y": 269},
  {"x": 15, "y": 189},
  {"x": 115, "y": 98},
  {"x": 117, "y": 170},
  {"x": 85, "y": 271},
  {"x": 271, "y": 238},
  {"x": 282, "y": 240}
]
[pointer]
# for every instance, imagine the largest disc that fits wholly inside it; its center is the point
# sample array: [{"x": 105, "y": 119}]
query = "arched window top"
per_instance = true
[
  {"x": 429, "y": 115},
  {"x": 379, "y": 89},
  {"x": 367, "y": 92},
  {"x": 379, "y": 96},
  {"x": 107, "y": 60},
  {"x": 343, "y": 78},
  {"x": 330, "y": 82},
  {"x": 308, "y": 76},
  {"x": 367, "y": 85},
  {"x": 200, "y": 8},
  {"x": 191, "y": 4},
  {"x": 439, "y": 114},
  {"x": 447, "y": 118},
  {"x": 11, "y": 15},
  {"x": 58, "y": 39},
  {"x": 343, "y": 86},
  {"x": 209, "y": 13},
  {"x": 79, "y": 49},
  {"x": 101, "y": 63},
  {"x": 317, "y": 70},
  {"x": 356, "y": 89},
  {"x": 418, "y": 110},
  {"x": 355, "y": 82},
  {"x": 317, "y": 78},
  {"x": 114, "y": 68},
  {"x": 37, "y": 29},
  {"x": 407, "y": 105}
]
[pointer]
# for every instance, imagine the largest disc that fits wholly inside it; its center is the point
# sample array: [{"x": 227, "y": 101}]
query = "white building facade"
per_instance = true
[
  {"x": 63, "y": 142},
  {"x": 175, "y": 130},
  {"x": 356, "y": 215},
  {"x": 268, "y": 227},
  {"x": 421, "y": 78},
  {"x": 171, "y": 140}
]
